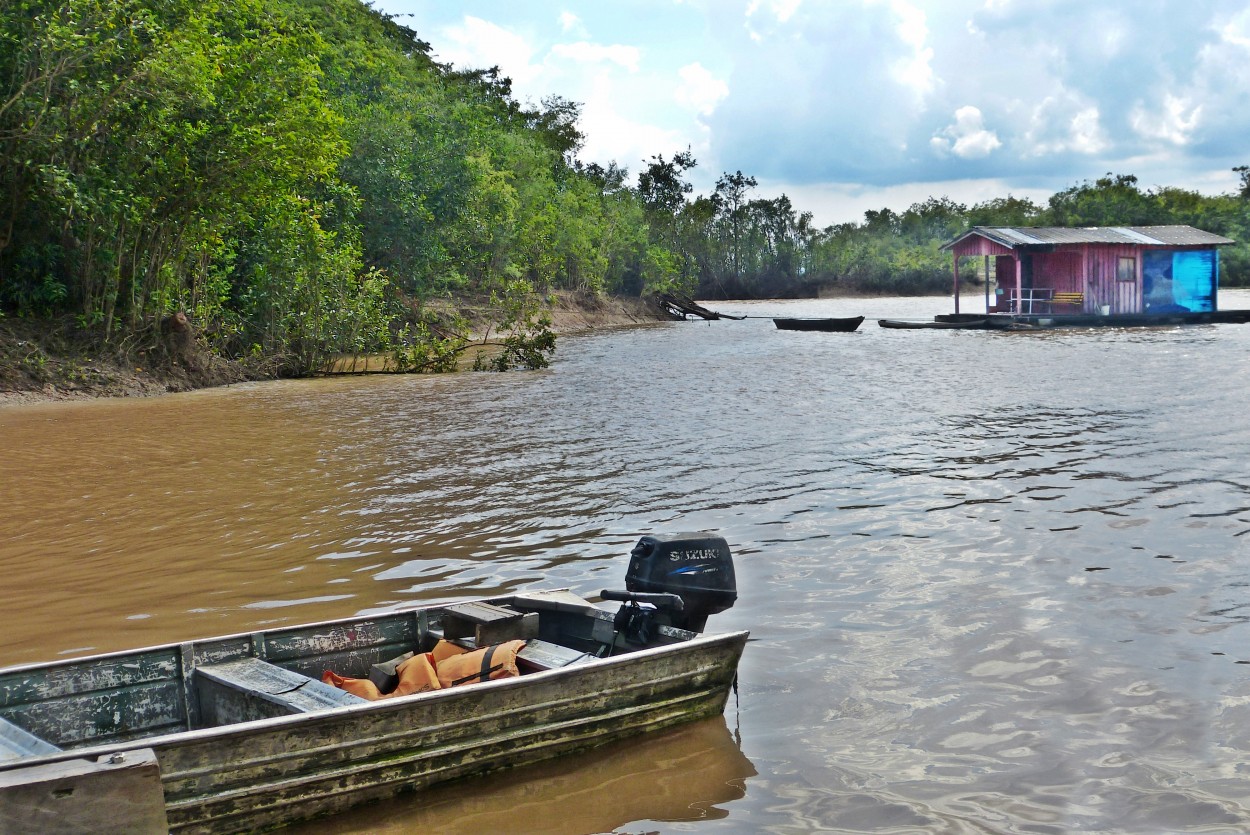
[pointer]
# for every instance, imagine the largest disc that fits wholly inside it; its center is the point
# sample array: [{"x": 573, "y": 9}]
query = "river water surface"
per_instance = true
[{"x": 996, "y": 582}]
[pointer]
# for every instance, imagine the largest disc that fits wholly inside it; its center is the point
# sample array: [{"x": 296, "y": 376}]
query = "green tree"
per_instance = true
[
  {"x": 1005, "y": 211},
  {"x": 1112, "y": 200},
  {"x": 731, "y": 198}
]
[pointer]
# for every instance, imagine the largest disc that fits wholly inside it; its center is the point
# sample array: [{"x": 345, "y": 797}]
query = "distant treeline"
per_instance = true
[{"x": 301, "y": 178}]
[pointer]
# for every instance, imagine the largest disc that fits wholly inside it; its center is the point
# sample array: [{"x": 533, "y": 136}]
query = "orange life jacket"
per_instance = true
[
  {"x": 447, "y": 665},
  {"x": 496, "y": 661}
]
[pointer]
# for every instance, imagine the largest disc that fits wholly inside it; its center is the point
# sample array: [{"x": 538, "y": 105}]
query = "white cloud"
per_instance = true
[
  {"x": 1062, "y": 124},
  {"x": 477, "y": 43},
  {"x": 700, "y": 90},
  {"x": 615, "y": 133},
  {"x": 1174, "y": 121},
  {"x": 913, "y": 26},
  {"x": 967, "y": 137},
  {"x": 832, "y": 203},
  {"x": 570, "y": 22},
  {"x": 785, "y": 9},
  {"x": 782, "y": 10},
  {"x": 758, "y": 27},
  {"x": 1085, "y": 132},
  {"x": 590, "y": 53},
  {"x": 1236, "y": 30},
  {"x": 915, "y": 70}
]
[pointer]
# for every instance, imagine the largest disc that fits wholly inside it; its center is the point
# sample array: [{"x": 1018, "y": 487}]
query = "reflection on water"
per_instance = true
[
  {"x": 995, "y": 581},
  {"x": 686, "y": 774}
]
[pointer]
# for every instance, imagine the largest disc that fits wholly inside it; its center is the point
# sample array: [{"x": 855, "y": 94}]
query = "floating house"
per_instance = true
[{"x": 1101, "y": 271}]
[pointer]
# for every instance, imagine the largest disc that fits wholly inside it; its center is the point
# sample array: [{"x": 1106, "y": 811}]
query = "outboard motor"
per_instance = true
[{"x": 696, "y": 567}]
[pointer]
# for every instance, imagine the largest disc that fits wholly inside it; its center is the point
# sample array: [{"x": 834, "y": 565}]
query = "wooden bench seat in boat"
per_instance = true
[
  {"x": 542, "y": 655},
  {"x": 1077, "y": 299},
  {"x": 17, "y": 742},
  {"x": 479, "y": 624},
  {"x": 249, "y": 688},
  {"x": 488, "y": 624}
]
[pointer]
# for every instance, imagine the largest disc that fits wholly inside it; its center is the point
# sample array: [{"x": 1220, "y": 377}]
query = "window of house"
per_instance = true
[{"x": 1127, "y": 269}]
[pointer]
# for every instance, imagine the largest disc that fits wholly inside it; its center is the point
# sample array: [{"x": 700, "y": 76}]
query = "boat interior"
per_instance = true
[{"x": 140, "y": 694}]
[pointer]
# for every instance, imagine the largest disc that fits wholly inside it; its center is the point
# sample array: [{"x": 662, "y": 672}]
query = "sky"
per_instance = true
[{"x": 848, "y": 106}]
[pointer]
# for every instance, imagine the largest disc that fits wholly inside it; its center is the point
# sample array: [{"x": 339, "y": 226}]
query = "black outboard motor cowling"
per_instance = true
[{"x": 697, "y": 567}]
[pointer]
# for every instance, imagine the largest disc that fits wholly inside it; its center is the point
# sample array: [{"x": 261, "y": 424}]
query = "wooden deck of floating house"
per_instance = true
[{"x": 1121, "y": 275}]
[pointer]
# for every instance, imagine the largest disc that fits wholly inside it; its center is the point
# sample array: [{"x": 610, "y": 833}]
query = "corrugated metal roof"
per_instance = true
[
  {"x": 1183, "y": 235},
  {"x": 1014, "y": 236}
]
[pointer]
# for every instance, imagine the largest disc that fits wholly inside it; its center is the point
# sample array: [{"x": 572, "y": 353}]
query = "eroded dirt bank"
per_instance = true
[{"x": 42, "y": 360}]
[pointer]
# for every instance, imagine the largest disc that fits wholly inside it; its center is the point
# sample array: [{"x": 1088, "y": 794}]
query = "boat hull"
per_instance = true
[
  {"x": 284, "y": 770},
  {"x": 837, "y": 325},
  {"x": 961, "y": 325},
  {"x": 271, "y": 771}
]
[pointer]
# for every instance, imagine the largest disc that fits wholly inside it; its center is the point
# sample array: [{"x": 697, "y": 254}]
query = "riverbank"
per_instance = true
[{"x": 50, "y": 360}]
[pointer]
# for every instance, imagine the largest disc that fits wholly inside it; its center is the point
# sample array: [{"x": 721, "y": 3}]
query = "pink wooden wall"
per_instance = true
[
  {"x": 1060, "y": 271},
  {"x": 1122, "y": 296},
  {"x": 1091, "y": 269}
]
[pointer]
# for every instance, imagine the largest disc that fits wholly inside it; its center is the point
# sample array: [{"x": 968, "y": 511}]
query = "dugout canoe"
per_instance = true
[
  {"x": 239, "y": 732},
  {"x": 831, "y": 325},
  {"x": 970, "y": 325}
]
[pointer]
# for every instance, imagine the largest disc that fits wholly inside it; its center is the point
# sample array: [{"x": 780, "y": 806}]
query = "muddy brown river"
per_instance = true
[{"x": 996, "y": 582}]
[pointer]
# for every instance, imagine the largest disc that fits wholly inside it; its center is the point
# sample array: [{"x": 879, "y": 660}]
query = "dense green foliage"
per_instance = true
[
  {"x": 296, "y": 175},
  {"x": 302, "y": 179}
]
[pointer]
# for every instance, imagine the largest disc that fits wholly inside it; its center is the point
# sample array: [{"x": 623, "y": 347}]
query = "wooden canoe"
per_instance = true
[
  {"x": 238, "y": 733},
  {"x": 835, "y": 325},
  {"x": 959, "y": 325},
  {"x": 978, "y": 324}
]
